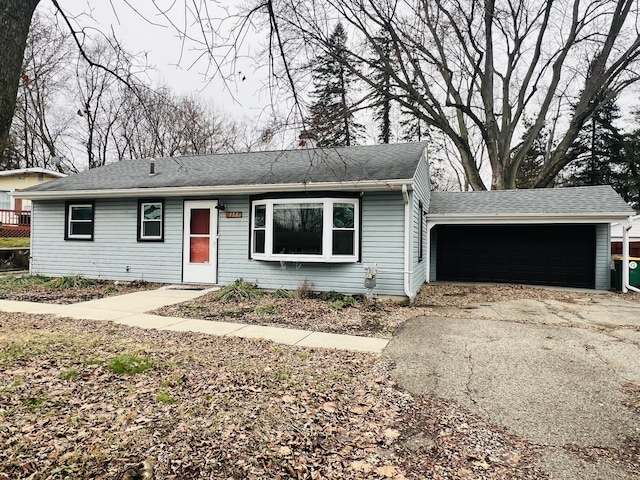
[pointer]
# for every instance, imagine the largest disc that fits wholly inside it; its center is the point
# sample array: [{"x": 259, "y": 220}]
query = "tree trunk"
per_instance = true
[{"x": 15, "y": 19}]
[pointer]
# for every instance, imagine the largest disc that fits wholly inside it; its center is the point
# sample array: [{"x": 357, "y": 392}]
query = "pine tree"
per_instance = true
[
  {"x": 332, "y": 120},
  {"x": 627, "y": 179},
  {"x": 598, "y": 150},
  {"x": 383, "y": 91},
  {"x": 534, "y": 159}
]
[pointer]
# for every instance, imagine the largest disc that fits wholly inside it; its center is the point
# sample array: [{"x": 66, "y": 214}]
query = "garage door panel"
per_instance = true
[{"x": 561, "y": 255}]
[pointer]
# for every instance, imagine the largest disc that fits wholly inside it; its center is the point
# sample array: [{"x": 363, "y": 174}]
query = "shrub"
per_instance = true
[
  {"x": 23, "y": 281},
  {"x": 331, "y": 296},
  {"x": 282, "y": 293},
  {"x": 338, "y": 300},
  {"x": 72, "y": 281},
  {"x": 239, "y": 290}
]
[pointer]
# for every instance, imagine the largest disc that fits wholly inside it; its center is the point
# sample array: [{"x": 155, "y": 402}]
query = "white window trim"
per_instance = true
[
  {"x": 144, "y": 237},
  {"x": 327, "y": 232},
  {"x": 11, "y": 199},
  {"x": 70, "y": 221}
]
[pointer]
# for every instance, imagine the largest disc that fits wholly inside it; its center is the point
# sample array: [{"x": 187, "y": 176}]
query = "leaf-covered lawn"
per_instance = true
[{"x": 72, "y": 406}]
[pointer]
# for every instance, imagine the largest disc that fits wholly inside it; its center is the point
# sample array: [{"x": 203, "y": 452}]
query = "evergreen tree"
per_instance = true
[
  {"x": 383, "y": 91},
  {"x": 598, "y": 150},
  {"x": 534, "y": 158},
  {"x": 627, "y": 180},
  {"x": 332, "y": 120}
]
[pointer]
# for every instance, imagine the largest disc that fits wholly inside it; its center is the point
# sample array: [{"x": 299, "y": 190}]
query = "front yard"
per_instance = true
[
  {"x": 89, "y": 399},
  {"x": 84, "y": 399}
]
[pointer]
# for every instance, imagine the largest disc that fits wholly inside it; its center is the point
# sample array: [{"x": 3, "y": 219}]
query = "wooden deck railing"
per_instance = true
[{"x": 15, "y": 223}]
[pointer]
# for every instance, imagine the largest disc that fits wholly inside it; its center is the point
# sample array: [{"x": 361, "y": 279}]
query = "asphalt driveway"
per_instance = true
[{"x": 560, "y": 374}]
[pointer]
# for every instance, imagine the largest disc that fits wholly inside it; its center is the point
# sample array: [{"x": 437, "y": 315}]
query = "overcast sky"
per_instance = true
[{"x": 176, "y": 63}]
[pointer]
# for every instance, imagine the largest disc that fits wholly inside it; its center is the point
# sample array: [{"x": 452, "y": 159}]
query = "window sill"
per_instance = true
[{"x": 304, "y": 258}]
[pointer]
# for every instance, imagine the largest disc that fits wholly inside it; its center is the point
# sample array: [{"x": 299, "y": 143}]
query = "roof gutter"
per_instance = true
[
  {"x": 363, "y": 186},
  {"x": 470, "y": 219}
]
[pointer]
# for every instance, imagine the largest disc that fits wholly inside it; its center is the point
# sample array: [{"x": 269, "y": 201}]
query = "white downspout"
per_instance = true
[
  {"x": 625, "y": 257},
  {"x": 429, "y": 246},
  {"x": 407, "y": 241}
]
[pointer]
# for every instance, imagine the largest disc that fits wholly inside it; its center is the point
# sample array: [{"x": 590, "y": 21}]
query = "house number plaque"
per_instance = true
[{"x": 234, "y": 214}]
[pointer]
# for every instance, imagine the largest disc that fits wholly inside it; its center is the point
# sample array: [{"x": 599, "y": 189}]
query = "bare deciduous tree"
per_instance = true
[
  {"x": 475, "y": 70},
  {"x": 41, "y": 118}
]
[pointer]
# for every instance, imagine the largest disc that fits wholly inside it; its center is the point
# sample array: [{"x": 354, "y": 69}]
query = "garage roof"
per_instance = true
[{"x": 567, "y": 204}]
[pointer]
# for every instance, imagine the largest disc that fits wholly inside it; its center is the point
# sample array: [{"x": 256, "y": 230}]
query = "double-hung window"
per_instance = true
[
  {"x": 5, "y": 200},
  {"x": 79, "y": 221},
  {"x": 150, "y": 221},
  {"x": 306, "y": 230}
]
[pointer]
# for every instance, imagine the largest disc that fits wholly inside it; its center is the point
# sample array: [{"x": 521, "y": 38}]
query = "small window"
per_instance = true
[
  {"x": 309, "y": 230},
  {"x": 259, "y": 228},
  {"x": 150, "y": 221},
  {"x": 79, "y": 221},
  {"x": 5, "y": 200}
]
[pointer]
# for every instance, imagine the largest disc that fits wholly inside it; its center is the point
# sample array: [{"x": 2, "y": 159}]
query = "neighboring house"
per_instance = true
[
  {"x": 634, "y": 238},
  {"x": 12, "y": 180},
  {"x": 327, "y": 217},
  {"x": 14, "y": 212}
]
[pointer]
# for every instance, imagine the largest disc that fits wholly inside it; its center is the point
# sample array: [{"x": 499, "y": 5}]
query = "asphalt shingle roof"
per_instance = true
[
  {"x": 343, "y": 164},
  {"x": 553, "y": 201}
]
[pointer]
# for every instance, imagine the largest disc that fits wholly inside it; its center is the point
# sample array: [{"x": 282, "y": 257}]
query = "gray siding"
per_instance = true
[
  {"x": 114, "y": 248},
  {"x": 421, "y": 192},
  {"x": 603, "y": 256},
  {"x": 382, "y": 243}
]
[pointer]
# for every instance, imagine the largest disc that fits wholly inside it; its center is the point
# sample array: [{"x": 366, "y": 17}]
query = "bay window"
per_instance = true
[{"x": 306, "y": 230}]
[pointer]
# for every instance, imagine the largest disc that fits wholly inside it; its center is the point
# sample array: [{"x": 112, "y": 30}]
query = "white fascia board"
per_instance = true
[
  {"x": 525, "y": 218},
  {"x": 20, "y": 171},
  {"x": 364, "y": 186}
]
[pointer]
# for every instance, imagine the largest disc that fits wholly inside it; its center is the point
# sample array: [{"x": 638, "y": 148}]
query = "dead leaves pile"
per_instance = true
[
  {"x": 379, "y": 319},
  {"x": 213, "y": 407}
]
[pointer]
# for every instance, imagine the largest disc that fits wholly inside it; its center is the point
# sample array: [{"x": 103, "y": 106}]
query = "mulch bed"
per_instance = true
[{"x": 66, "y": 296}]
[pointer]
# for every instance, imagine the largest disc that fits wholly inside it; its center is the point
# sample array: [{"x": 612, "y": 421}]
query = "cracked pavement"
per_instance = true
[{"x": 548, "y": 371}]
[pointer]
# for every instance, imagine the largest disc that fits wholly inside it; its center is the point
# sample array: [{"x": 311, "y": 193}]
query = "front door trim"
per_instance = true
[{"x": 206, "y": 268}]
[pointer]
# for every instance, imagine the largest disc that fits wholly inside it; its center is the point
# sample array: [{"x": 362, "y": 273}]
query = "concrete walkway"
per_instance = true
[{"x": 130, "y": 310}]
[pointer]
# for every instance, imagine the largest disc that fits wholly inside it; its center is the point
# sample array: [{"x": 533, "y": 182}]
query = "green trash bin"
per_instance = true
[{"x": 634, "y": 272}]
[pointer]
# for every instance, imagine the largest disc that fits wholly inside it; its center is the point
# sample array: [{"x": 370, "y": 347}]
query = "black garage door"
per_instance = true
[{"x": 562, "y": 255}]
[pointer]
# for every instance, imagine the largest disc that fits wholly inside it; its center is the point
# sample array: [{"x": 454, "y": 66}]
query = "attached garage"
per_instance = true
[
  {"x": 555, "y": 237},
  {"x": 558, "y": 255}
]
